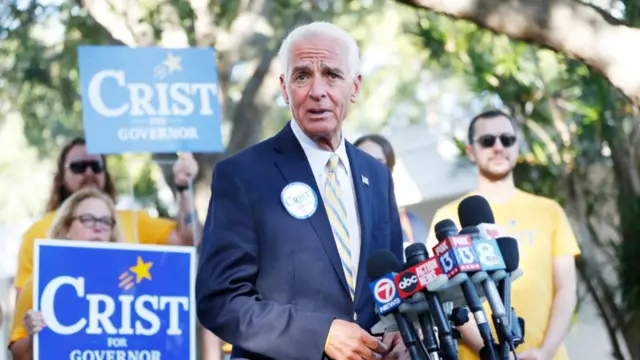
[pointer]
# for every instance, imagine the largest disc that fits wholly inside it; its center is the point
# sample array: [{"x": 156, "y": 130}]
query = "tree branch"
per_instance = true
[
  {"x": 576, "y": 29},
  {"x": 122, "y": 19}
]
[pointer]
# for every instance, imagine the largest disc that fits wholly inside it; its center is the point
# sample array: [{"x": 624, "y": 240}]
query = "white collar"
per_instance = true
[{"x": 317, "y": 156}]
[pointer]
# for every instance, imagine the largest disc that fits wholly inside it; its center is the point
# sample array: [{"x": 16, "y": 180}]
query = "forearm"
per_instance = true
[
  {"x": 261, "y": 326},
  {"x": 187, "y": 219},
  {"x": 564, "y": 303},
  {"x": 471, "y": 335},
  {"x": 22, "y": 349}
]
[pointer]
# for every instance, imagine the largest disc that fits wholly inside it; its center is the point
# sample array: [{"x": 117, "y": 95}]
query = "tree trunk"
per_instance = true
[
  {"x": 590, "y": 265},
  {"x": 628, "y": 185},
  {"x": 576, "y": 29}
]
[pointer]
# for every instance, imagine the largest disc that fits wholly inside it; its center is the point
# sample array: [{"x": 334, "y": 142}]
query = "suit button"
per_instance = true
[{"x": 355, "y": 317}]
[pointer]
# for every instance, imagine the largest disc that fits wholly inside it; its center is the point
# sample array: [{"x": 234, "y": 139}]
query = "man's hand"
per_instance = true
[
  {"x": 185, "y": 168},
  {"x": 535, "y": 354},
  {"x": 397, "y": 350},
  {"x": 348, "y": 341},
  {"x": 33, "y": 322}
]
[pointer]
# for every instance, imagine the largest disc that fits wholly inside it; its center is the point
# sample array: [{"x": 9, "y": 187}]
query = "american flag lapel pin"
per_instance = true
[{"x": 365, "y": 180}]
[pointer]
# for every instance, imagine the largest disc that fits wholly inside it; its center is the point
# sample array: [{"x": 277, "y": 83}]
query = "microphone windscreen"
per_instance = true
[
  {"x": 475, "y": 210},
  {"x": 445, "y": 228},
  {"x": 510, "y": 254},
  {"x": 416, "y": 249},
  {"x": 469, "y": 230},
  {"x": 381, "y": 263}
]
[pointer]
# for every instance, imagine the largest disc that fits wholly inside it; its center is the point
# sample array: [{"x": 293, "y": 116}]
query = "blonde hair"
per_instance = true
[{"x": 65, "y": 215}]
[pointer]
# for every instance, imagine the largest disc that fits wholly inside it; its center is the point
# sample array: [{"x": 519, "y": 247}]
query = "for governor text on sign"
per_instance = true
[
  {"x": 149, "y": 99},
  {"x": 106, "y": 301}
]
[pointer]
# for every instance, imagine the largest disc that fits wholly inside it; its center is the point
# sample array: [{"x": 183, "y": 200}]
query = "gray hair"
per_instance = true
[{"x": 314, "y": 29}]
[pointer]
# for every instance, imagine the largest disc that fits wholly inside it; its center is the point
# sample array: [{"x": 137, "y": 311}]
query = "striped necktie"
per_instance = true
[{"x": 338, "y": 217}]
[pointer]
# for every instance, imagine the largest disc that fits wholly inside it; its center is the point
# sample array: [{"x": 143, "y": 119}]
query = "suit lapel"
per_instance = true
[
  {"x": 294, "y": 166},
  {"x": 363, "y": 199}
]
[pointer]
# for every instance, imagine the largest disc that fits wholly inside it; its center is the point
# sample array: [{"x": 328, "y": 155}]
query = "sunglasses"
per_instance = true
[
  {"x": 79, "y": 167},
  {"x": 89, "y": 221},
  {"x": 487, "y": 141}
]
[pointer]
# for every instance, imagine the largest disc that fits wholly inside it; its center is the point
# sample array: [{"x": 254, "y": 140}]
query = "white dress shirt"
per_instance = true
[{"x": 318, "y": 159}]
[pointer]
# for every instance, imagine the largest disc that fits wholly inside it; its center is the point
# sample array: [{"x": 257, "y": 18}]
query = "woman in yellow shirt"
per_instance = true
[{"x": 88, "y": 214}]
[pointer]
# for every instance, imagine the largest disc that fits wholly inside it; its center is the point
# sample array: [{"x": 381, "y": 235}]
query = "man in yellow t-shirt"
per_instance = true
[
  {"x": 545, "y": 295},
  {"x": 77, "y": 169}
]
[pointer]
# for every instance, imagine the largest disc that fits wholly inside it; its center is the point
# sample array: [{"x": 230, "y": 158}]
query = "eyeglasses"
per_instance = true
[
  {"x": 89, "y": 221},
  {"x": 487, "y": 141},
  {"x": 79, "y": 167}
]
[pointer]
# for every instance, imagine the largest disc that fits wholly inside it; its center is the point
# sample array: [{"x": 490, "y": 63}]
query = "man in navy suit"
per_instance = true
[{"x": 293, "y": 219}]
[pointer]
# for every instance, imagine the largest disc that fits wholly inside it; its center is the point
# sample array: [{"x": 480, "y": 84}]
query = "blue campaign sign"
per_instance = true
[
  {"x": 114, "y": 301},
  {"x": 149, "y": 99}
]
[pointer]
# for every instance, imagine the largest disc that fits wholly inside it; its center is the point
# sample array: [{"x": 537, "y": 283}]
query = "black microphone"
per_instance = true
[
  {"x": 511, "y": 255},
  {"x": 456, "y": 256},
  {"x": 475, "y": 211},
  {"x": 429, "y": 340},
  {"x": 416, "y": 253},
  {"x": 381, "y": 268},
  {"x": 445, "y": 228}
]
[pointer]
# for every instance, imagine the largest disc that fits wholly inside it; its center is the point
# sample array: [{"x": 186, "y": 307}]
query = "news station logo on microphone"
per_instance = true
[
  {"x": 407, "y": 282},
  {"x": 489, "y": 254},
  {"x": 418, "y": 277},
  {"x": 456, "y": 254},
  {"x": 384, "y": 294}
]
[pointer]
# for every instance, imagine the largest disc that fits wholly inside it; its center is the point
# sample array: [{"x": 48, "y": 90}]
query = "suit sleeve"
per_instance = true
[
  {"x": 228, "y": 303},
  {"x": 394, "y": 223}
]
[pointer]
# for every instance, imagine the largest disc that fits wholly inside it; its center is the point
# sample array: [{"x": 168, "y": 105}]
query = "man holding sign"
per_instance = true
[{"x": 292, "y": 221}]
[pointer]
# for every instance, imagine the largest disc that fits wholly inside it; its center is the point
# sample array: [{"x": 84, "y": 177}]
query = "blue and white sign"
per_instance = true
[
  {"x": 114, "y": 301},
  {"x": 149, "y": 99}
]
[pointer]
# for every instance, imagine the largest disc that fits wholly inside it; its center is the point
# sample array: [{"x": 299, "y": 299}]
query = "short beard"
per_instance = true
[{"x": 495, "y": 177}]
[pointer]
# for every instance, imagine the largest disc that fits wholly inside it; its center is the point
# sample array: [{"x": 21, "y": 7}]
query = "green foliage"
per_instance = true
[{"x": 572, "y": 121}]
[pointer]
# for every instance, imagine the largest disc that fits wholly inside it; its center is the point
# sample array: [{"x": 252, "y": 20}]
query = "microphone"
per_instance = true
[
  {"x": 456, "y": 255},
  {"x": 473, "y": 211},
  {"x": 490, "y": 261},
  {"x": 426, "y": 270},
  {"x": 445, "y": 228},
  {"x": 477, "y": 212},
  {"x": 382, "y": 266},
  {"x": 509, "y": 248}
]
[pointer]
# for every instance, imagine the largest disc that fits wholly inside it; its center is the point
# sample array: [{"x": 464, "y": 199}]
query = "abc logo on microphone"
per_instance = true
[{"x": 407, "y": 282}]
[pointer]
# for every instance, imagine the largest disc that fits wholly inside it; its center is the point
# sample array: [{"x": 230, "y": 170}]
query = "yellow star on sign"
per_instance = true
[{"x": 141, "y": 270}]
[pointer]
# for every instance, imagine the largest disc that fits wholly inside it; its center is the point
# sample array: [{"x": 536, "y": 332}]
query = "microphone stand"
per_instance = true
[{"x": 507, "y": 346}]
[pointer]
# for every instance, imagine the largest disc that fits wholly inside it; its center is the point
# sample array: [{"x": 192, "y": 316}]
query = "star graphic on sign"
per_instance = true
[
  {"x": 172, "y": 63},
  {"x": 141, "y": 270}
]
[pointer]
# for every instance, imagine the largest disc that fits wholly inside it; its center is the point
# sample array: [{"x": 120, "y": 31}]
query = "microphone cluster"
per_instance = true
[{"x": 427, "y": 298}]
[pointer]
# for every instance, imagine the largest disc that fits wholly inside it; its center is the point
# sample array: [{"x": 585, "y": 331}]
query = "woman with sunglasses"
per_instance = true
[
  {"x": 413, "y": 228},
  {"x": 88, "y": 214}
]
